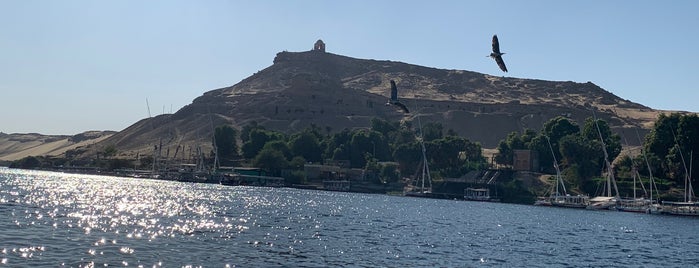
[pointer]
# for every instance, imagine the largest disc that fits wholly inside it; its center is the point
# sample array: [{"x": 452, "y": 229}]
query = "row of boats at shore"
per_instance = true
[
  {"x": 640, "y": 205},
  {"x": 560, "y": 198}
]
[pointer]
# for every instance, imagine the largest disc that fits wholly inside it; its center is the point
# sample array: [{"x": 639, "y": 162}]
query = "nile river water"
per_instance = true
[{"x": 54, "y": 219}]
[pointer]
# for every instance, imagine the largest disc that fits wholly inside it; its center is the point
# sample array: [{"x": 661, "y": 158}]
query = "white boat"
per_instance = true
[
  {"x": 603, "y": 203},
  {"x": 479, "y": 194},
  {"x": 570, "y": 201}
]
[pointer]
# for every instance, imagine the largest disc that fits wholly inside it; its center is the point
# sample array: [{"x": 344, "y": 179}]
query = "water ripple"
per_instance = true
[{"x": 54, "y": 219}]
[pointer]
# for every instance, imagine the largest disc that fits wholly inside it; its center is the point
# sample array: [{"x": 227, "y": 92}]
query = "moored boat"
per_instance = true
[
  {"x": 640, "y": 205},
  {"x": 607, "y": 201},
  {"x": 479, "y": 194},
  {"x": 688, "y": 207},
  {"x": 681, "y": 208},
  {"x": 570, "y": 201},
  {"x": 559, "y": 196},
  {"x": 602, "y": 203}
]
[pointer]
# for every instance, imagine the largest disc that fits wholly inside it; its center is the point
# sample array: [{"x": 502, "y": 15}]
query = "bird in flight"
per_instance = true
[
  {"x": 497, "y": 55},
  {"x": 394, "y": 98}
]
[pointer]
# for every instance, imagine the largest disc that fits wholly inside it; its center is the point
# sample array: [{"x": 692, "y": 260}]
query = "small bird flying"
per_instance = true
[{"x": 497, "y": 55}]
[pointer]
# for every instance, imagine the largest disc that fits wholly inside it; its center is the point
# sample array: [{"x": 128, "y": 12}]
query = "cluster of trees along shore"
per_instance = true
[
  {"x": 392, "y": 151},
  {"x": 668, "y": 148},
  {"x": 389, "y": 149}
]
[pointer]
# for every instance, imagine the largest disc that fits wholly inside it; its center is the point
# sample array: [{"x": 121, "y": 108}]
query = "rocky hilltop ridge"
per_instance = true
[
  {"x": 335, "y": 92},
  {"x": 421, "y": 82},
  {"x": 339, "y": 91}
]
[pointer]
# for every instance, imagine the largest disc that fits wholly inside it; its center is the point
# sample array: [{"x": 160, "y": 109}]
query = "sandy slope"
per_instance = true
[{"x": 18, "y": 146}]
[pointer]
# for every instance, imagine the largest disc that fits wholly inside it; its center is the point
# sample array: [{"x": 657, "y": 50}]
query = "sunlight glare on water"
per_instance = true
[{"x": 56, "y": 219}]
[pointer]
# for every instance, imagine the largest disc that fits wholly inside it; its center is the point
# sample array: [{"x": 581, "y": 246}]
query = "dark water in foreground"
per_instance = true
[{"x": 55, "y": 219}]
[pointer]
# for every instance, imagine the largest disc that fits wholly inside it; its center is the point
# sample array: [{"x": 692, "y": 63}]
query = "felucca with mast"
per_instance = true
[
  {"x": 642, "y": 204},
  {"x": 422, "y": 184},
  {"x": 689, "y": 207},
  {"x": 559, "y": 196},
  {"x": 607, "y": 201}
]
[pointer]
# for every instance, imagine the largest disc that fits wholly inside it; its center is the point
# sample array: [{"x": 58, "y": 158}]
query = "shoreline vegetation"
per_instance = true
[{"x": 386, "y": 157}]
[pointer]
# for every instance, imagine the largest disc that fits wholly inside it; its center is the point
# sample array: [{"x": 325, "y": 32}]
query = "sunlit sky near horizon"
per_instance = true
[{"x": 71, "y": 66}]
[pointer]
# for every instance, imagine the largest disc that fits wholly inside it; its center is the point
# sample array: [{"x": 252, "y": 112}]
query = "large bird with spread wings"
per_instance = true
[
  {"x": 497, "y": 55},
  {"x": 394, "y": 98}
]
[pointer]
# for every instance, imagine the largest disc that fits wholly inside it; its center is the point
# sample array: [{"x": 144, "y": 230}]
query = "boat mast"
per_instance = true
[
  {"x": 634, "y": 181},
  {"x": 688, "y": 191},
  {"x": 425, "y": 166},
  {"x": 689, "y": 177},
  {"x": 651, "y": 181},
  {"x": 610, "y": 171},
  {"x": 213, "y": 134},
  {"x": 559, "y": 180}
]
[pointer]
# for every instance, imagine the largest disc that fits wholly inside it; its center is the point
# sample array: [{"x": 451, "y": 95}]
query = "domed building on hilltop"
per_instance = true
[{"x": 319, "y": 46}]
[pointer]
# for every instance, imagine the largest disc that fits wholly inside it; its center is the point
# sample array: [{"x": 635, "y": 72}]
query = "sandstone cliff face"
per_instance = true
[{"x": 335, "y": 92}]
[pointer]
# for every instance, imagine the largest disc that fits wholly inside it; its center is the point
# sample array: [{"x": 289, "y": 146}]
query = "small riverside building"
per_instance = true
[{"x": 525, "y": 160}]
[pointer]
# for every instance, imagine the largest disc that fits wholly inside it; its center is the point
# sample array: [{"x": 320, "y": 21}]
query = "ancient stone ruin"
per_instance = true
[{"x": 319, "y": 46}]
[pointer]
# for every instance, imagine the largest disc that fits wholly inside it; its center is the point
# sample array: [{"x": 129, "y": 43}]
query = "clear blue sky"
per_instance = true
[{"x": 72, "y": 66}]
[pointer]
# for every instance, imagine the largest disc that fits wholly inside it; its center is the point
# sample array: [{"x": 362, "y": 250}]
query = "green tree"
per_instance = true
[
  {"x": 337, "y": 145},
  {"x": 688, "y": 141},
  {"x": 473, "y": 154},
  {"x": 384, "y": 127},
  {"x": 368, "y": 142},
  {"x": 257, "y": 140},
  {"x": 109, "y": 151},
  {"x": 505, "y": 151},
  {"x": 444, "y": 155},
  {"x": 405, "y": 134},
  {"x": 673, "y": 138},
  {"x": 245, "y": 131},
  {"x": 555, "y": 129},
  {"x": 408, "y": 156},
  {"x": 512, "y": 142},
  {"x": 297, "y": 163},
  {"x": 225, "y": 142},
  {"x": 359, "y": 146},
  {"x": 281, "y": 146},
  {"x": 306, "y": 144},
  {"x": 389, "y": 173},
  {"x": 540, "y": 144},
  {"x": 432, "y": 131},
  {"x": 271, "y": 160},
  {"x": 661, "y": 137},
  {"x": 559, "y": 127},
  {"x": 581, "y": 157},
  {"x": 611, "y": 140},
  {"x": 29, "y": 162}
]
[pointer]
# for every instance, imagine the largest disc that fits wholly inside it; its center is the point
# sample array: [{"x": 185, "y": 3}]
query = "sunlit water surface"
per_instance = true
[{"x": 56, "y": 219}]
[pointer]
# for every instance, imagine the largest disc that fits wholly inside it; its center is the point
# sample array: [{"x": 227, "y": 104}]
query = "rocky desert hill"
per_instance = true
[{"x": 335, "y": 92}]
